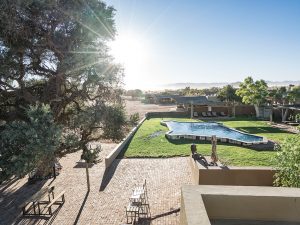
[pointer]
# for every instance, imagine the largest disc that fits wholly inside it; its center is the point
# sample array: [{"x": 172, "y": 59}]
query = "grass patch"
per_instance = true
[{"x": 150, "y": 141}]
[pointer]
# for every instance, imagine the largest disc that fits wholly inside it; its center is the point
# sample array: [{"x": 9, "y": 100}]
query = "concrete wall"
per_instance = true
[
  {"x": 245, "y": 110},
  {"x": 174, "y": 114},
  {"x": 116, "y": 151},
  {"x": 192, "y": 209},
  {"x": 200, "y": 203},
  {"x": 240, "y": 110},
  {"x": 231, "y": 175},
  {"x": 247, "y": 207}
]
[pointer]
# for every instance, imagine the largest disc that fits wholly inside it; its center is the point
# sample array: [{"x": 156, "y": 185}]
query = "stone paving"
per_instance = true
[{"x": 164, "y": 179}]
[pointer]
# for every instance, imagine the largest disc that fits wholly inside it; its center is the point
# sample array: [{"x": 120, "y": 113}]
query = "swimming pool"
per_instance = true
[{"x": 204, "y": 131}]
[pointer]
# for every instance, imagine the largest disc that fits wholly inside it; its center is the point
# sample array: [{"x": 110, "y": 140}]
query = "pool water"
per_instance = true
[{"x": 209, "y": 129}]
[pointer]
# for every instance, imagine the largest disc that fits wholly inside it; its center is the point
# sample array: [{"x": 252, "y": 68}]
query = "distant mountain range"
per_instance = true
[{"x": 221, "y": 84}]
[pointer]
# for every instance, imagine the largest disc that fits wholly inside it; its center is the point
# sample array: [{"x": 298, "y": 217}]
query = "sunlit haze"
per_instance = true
[
  {"x": 162, "y": 42},
  {"x": 132, "y": 52}
]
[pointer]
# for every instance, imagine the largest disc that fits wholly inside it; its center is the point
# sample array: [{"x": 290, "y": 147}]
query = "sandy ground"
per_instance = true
[{"x": 133, "y": 106}]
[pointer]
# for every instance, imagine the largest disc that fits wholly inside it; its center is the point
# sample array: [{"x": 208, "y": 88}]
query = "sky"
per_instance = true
[{"x": 161, "y": 41}]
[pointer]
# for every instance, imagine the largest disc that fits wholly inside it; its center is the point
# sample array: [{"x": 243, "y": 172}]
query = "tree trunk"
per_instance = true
[
  {"x": 271, "y": 115},
  {"x": 192, "y": 110},
  {"x": 257, "y": 111},
  {"x": 233, "y": 109},
  {"x": 87, "y": 176}
]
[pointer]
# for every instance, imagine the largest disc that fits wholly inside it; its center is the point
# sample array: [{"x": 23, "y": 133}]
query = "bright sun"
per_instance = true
[{"x": 129, "y": 50}]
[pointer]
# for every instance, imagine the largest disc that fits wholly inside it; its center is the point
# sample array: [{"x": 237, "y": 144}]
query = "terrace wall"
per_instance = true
[
  {"x": 240, "y": 110},
  {"x": 244, "y": 110},
  {"x": 172, "y": 114},
  {"x": 231, "y": 175},
  {"x": 116, "y": 151},
  {"x": 202, "y": 203}
]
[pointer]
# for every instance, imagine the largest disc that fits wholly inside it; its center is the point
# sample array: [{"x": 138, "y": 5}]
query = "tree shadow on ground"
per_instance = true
[
  {"x": 81, "y": 208},
  {"x": 6, "y": 184},
  {"x": 269, "y": 146},
  {"x": 83, "y": 165},
  {"x": 35, "y": 219},
  {"x": 12, "y": 200},
  {"x": 148, "y": 221},
  {"x": 256, "y": 130},
  {"x": 108, "y": 174}
]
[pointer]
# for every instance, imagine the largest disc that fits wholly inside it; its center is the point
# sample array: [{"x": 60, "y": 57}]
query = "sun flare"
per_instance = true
[{"x": 129, "y": 50}]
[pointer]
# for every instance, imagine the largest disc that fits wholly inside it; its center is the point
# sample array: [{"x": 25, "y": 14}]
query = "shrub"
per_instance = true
[
  {"x": 288, "y": 163},
  {"x": 25, "y": 146},
  {"x": 297, "y": 117},
  {"x": 134, "y": 119}
]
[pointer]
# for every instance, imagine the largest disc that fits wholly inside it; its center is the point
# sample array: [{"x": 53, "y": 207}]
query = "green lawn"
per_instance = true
[{"x": 150, "y": 141}]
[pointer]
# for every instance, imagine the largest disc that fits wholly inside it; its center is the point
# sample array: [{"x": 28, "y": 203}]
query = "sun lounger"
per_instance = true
[
  {"x": 222, "y": 114},
  {"x": 214, "y": 114},
  {"x": 203, "y": 114},
  {"x": 209, "y": 114}
]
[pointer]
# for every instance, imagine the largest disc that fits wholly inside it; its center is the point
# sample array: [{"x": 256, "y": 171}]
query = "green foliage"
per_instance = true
[
  {"x": 56, "y": 53},
  {"x": 283, "y": 96},
  {"x": 294, "y": 94},
  {"x": 136, "y": 93},
  {"x": 297, "y": 117},
  {"x": 134, "y": 119},
  {"x": 91, "y": 155},
  {"x": 114, "y": 116},
  {"x": 288, "y": 163},
  {"x": 188, "y": 91},
  {"x": 228, "y": 94},
  {"x": 29, "y": 145},
  {"x": 278, "y": 95},
  {"x": 253, "y": 92}
]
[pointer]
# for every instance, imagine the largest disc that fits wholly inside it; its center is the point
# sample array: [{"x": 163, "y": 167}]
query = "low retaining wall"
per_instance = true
[
  {"x": 150, "y": 115},
  {"x": 231, "y": 175},
  {"x": 202, "y": 203},
  {"x": 114, "y": 153}
]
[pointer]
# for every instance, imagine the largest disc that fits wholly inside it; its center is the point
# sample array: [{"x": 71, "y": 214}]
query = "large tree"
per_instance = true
[
  {"x": 228, "y": 94},
  {"x": 55, "y": 53},
  {"x": 278, "y": 95},
  {"x": 294, "y": 94},
  {"x": 253, "y": 92}
]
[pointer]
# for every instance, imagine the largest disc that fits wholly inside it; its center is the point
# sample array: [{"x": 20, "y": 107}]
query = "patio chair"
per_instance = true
[
  {"x": 141, "y": 190},
  {"x": 196, "y": 114},
  {"x": 209, "y": 114},
  {"x": 222, "y": 114},
  {"x": 132, "y": 213},
  {"x": 214, "y": 114},
  {"x": 203, "y": 114},
  {"x": 140, "y": 196}
]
